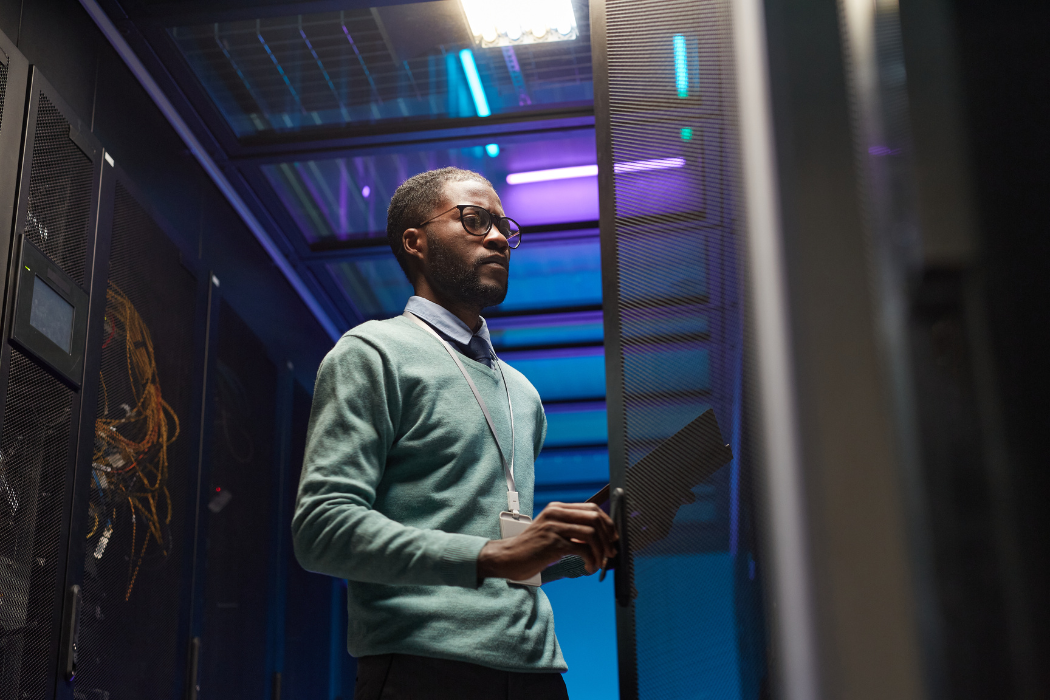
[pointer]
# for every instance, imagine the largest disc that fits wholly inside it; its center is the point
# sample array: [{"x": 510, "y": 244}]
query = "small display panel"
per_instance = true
[{"x": 51, "y": 314}]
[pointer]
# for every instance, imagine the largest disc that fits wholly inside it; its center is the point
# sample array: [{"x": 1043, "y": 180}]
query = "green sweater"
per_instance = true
[{"x": 402, "y": 486}]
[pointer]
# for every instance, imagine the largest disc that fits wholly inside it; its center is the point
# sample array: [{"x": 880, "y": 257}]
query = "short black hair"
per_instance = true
[{"x": 414, "y": 201}]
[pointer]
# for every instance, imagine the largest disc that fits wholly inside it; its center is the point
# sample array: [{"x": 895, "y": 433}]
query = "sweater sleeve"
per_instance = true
[
  {"x": 335, "y": 531},
  {"x": 571, "y": 566}
]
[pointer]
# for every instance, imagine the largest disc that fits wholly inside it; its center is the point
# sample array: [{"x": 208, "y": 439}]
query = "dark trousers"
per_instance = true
[{"x": 407, "y": 677}]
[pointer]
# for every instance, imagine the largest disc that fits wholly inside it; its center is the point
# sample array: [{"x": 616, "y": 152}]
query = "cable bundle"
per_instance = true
[{"x": 131, "y": 450}]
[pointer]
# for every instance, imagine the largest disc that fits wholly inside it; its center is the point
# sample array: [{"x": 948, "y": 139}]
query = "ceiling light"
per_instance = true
[
  {"x": 592, "y": 170},
  {"x": 552, "y": 174},
  {"x": 477, "y": 90},
  {"x": 515, "y": 22}
]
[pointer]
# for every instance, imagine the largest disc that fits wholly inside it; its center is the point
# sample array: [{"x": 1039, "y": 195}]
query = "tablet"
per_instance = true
[{"x": 670, "y": 473}]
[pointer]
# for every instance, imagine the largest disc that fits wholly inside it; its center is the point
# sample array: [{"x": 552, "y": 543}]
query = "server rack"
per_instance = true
[
  {"x": 50, "y": 308},
  {"x": 134, "y": 515},
  {"x": 240, "y": 480},
  {"x": 123, "y": 380},
  {"x": 690, "y": 615}
]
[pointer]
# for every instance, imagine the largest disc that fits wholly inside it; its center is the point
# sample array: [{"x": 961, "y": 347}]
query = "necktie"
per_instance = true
[{"x": 478, "y": 350}]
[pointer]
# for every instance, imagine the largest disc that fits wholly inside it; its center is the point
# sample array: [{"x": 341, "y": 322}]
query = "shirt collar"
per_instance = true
[{"x": 446, "y": 321}]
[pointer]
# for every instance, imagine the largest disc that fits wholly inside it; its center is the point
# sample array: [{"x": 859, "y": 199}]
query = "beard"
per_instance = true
[{"x": 460, "y": 280}]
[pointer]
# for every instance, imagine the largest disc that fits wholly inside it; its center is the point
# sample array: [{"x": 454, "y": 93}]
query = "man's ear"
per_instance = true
[{"x": 415, "y": 242}]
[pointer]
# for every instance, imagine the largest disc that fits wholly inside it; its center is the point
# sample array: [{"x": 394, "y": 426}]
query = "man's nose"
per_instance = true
[{"x": 494, "y": 240}]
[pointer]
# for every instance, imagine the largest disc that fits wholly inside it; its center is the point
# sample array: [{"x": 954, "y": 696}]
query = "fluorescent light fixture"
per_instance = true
[
  {"x": 552, "y": 174},
  {"x": 477, "y": 90},
  {"x": 681, "y": 66},
  {"x": 515, "y": 22},
  {"x": 492, "y": 149},
  {"x": 640, "y": 165},
  {"x": 592, "y": 170}
]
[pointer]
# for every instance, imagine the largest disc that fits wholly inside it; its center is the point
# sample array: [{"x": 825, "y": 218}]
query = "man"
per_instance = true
[{"x": 411, "y": 470}]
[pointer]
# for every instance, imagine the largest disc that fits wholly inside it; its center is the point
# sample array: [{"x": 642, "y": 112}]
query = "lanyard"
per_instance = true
[{"x": 508, "y": 469}]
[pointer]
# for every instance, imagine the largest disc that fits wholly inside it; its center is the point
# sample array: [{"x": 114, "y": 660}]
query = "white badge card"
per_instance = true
[{"x": 509, "y": 526}]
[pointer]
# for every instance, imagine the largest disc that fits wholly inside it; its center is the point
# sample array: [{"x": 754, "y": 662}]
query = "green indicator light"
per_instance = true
[
  {"x": 687, "y": 134},
  {"x": 27, "y": 267},
  {"x": 681, "y": 66}
]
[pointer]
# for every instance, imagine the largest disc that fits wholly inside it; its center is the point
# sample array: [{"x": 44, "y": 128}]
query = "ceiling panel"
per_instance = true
[
  {"x": 346, "y": 198},
  {"x": 392, "y": 64}
]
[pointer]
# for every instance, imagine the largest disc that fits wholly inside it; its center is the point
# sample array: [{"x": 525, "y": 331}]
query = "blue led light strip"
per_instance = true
[
  {"x": 360, "y": 59},
  {"x": 116, "y": 39},
  {"x": 327, "y": 79},
  {"x": 295, "y": 95},
  {"x": 681, "y": 66},
  {"x": 477, "y": 90},
  {"x": 247, "y": 85}
]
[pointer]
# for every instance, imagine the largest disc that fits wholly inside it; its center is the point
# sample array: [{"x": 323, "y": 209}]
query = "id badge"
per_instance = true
[{"x": 511, "y": 527}]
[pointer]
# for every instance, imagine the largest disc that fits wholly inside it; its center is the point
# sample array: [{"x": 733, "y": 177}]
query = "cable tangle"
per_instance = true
[{"x": 130, "y": 463}]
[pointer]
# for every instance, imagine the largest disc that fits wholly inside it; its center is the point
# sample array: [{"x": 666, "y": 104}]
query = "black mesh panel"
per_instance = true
[
  {"x": 34, "y": 455},
  {"x": 680, "y": 305},
  {"x": 144, "y": 468},
  {"x": 59, "y": 193},
  {"x": 3, "y": 91},
  {"x": 240, "y": 523}
]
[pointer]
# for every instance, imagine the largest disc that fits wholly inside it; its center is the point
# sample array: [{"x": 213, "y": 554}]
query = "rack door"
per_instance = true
[{"x": 689, "y": 605}]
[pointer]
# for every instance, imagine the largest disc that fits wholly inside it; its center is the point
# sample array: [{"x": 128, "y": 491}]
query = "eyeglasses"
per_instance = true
[{"x": 478, "y": 221}]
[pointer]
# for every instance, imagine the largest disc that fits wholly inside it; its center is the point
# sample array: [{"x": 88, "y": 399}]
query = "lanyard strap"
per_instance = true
[{"x": 508, "y": 469}]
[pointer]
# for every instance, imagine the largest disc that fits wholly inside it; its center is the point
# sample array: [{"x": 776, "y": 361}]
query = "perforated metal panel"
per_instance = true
[
  {"x": 677, "y": 324},
  {"x": 144, "y": 468},
  {"x": 60, "y": 186},
  {"x": 34, "y": 456},
  {"x": 239, "y": 514},
  {"x": 3, "y": 91}
]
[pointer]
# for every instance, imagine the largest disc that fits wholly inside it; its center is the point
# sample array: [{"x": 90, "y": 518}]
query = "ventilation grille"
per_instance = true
[
  {"x": 680, "y": 309},
  {"x": 34, "y": 456},
  {"x": 3, "y": 91},
  {"x": 133, "y": 577},
  {"x": 60, "y": 185}
]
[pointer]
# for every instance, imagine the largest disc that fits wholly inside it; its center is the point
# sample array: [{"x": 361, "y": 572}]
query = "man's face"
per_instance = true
[{"x": 470, "y": 269}]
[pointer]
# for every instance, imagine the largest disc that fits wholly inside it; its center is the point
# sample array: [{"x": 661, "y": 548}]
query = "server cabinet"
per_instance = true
[
  {"x": 43, "y": 362},
  {"x": 137, "y": 492},
  {"x": 14, "y": 73},
  {"x": 237, "y": 525},
  {"x": 690, "y": 615}
]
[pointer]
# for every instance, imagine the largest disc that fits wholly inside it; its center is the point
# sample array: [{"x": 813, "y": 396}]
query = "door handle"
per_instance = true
[
  {"x": 70, "y": 632},
  {"x": 622, "y": 575}
]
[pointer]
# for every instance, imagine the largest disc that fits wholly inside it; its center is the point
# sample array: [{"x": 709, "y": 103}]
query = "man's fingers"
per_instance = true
[
  {"x": 585, "y": 514},
  {"x": 584, "y": 535},
  {"x": 586, "y": 553}
]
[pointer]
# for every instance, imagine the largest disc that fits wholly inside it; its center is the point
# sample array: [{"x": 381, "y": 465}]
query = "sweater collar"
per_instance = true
[{"x": 447, "y": 322}]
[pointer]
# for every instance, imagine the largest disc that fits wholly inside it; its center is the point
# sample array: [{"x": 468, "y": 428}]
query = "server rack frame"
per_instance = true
[
  {"x": 13, "y": 117},
  {"x": 37, "y": 86},
  {"x": 112, "y": 175}
]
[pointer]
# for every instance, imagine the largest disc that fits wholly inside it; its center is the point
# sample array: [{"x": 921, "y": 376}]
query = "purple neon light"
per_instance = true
[
  {"x": 552, "y": 174},
  {"x": 592, "y": 170},
  {"x": 640, "y": 165}
]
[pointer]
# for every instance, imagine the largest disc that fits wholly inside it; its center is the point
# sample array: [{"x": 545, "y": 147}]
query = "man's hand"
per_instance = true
[{"x": 561, "y": 529}]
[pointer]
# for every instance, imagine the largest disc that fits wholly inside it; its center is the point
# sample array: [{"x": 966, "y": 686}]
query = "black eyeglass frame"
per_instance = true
[{"x": 494, "y": 220}]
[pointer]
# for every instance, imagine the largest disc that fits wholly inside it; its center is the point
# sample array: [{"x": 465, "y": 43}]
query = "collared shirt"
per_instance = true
[{"x": 477, "y": 345}]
